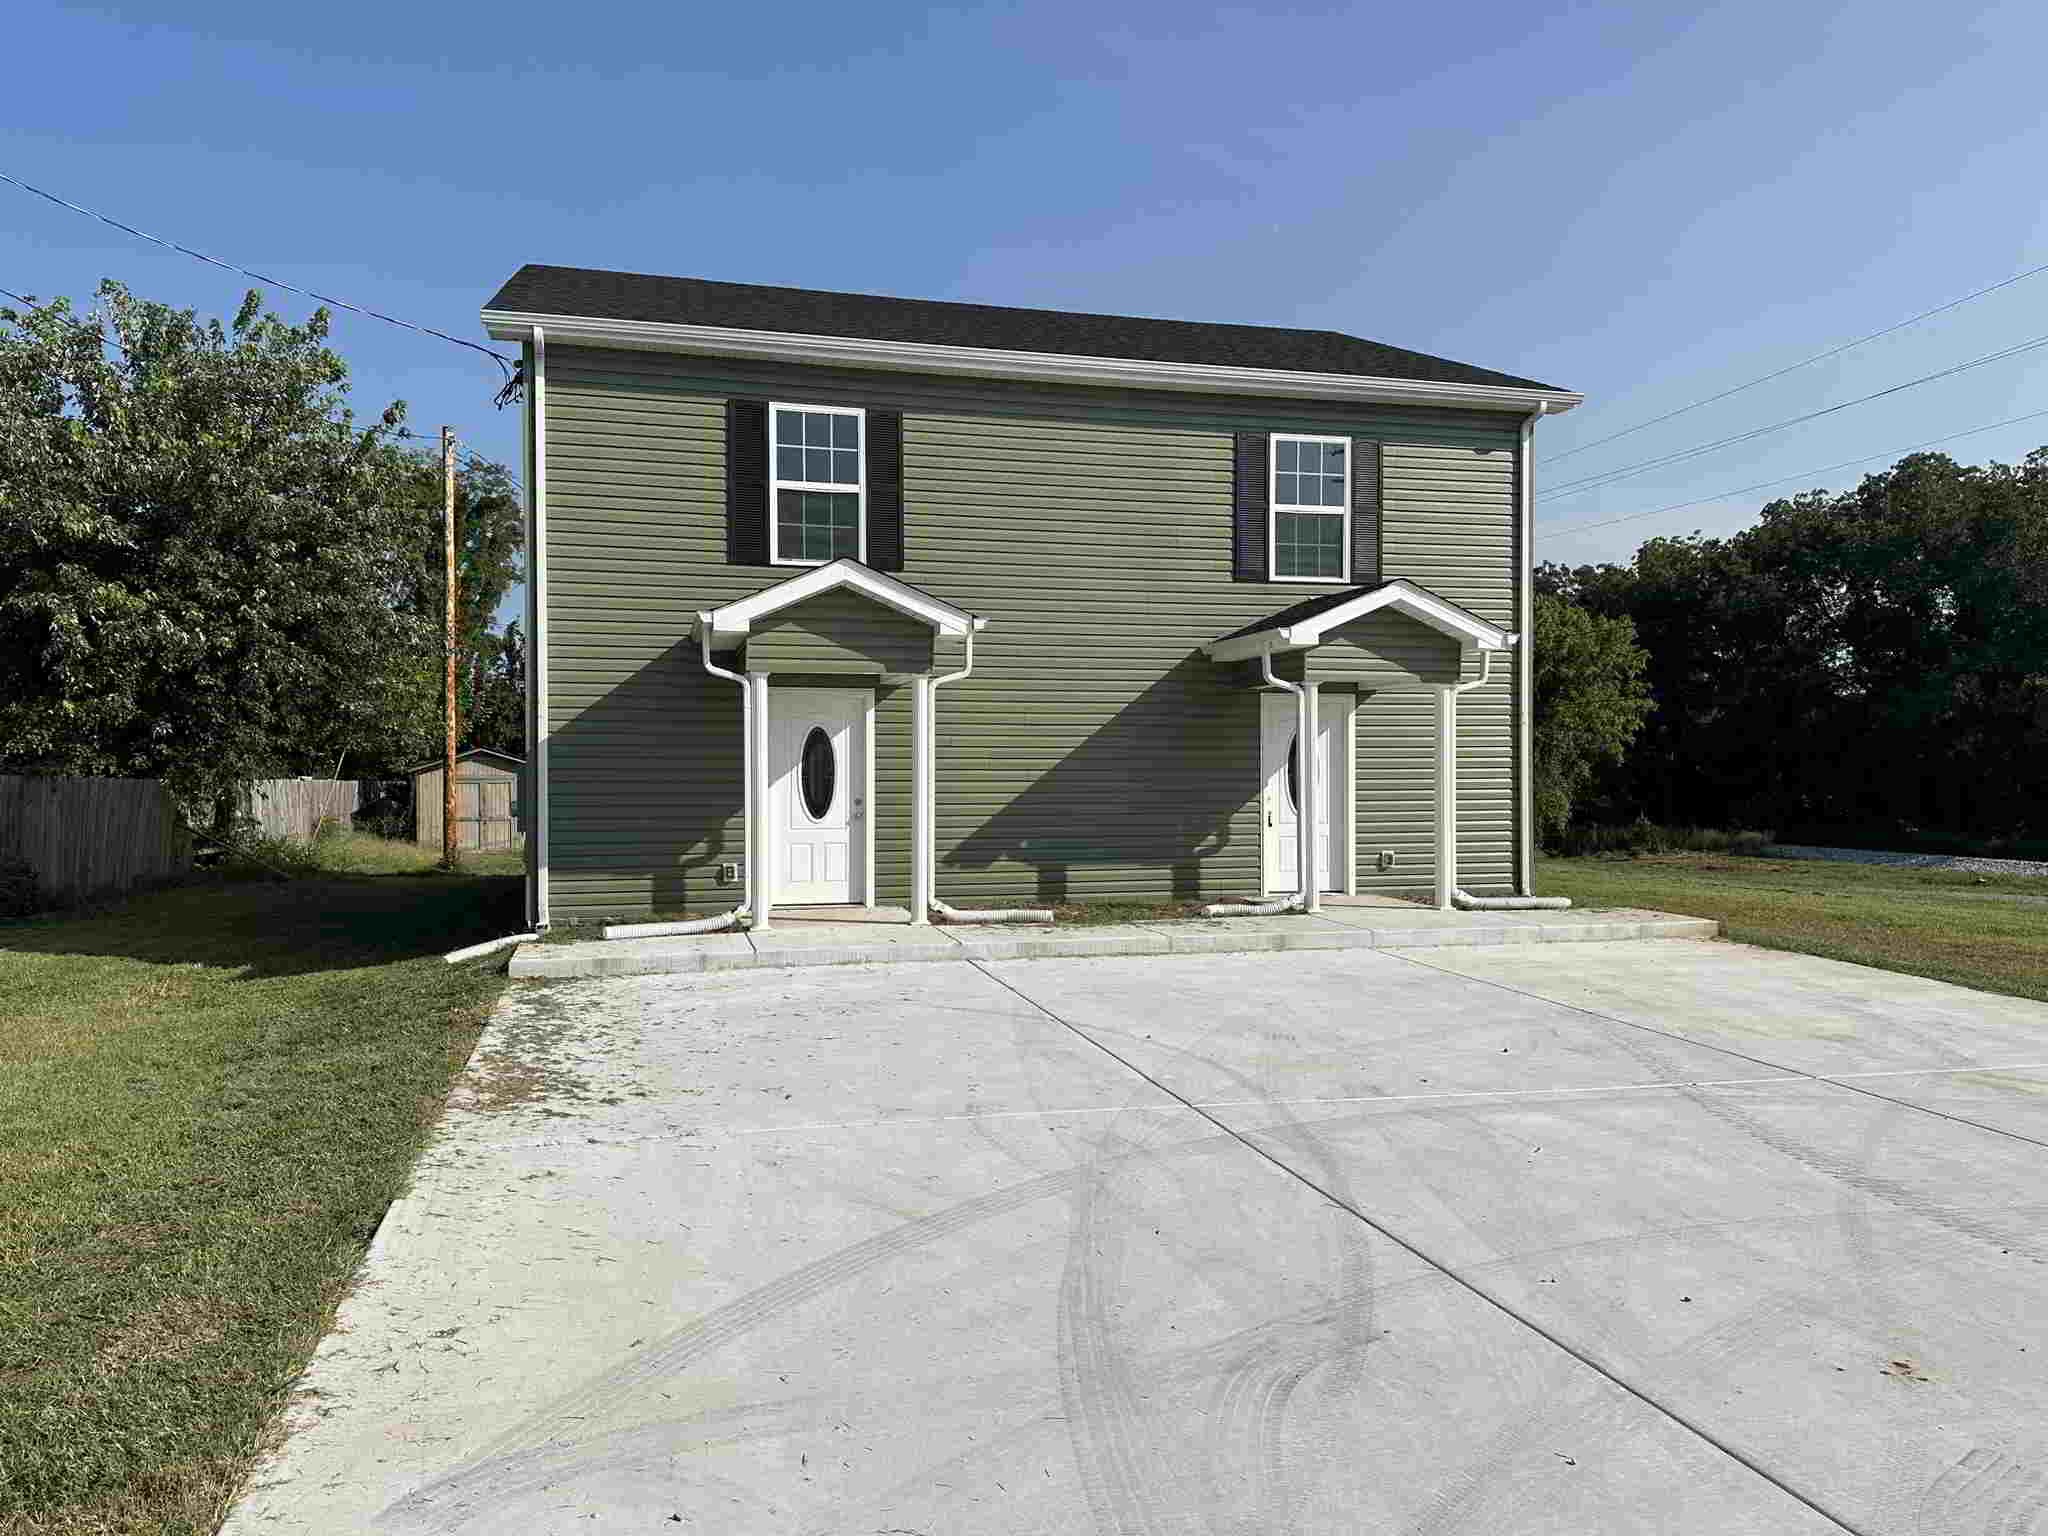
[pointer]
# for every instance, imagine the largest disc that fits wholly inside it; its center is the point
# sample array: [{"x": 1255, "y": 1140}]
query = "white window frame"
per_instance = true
[
  {"x": 777, "y": 485},
  {"x": 1274, "y": 507}
]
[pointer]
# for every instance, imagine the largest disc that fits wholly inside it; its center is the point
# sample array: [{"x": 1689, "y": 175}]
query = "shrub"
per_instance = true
[
  {"x": 253, "y": 855},
  {"x": 1899, "y": 838},
  {"x": 19, "y": 895},
  {"x": 1647, "y": 837}
]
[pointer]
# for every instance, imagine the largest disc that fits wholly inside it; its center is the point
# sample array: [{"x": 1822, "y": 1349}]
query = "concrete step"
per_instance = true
[{"x": 788, "y": 945}]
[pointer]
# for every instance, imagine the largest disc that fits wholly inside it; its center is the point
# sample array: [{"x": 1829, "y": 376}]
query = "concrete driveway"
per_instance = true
[{"x": 1665, "y": 1237}]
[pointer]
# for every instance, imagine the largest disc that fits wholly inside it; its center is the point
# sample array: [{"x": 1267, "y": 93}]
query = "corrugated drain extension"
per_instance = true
[{"x": 1504, "y": 1307}]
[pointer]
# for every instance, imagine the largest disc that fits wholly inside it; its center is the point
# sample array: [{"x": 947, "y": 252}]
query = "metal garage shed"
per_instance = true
[{"x": 487, "y": 808}]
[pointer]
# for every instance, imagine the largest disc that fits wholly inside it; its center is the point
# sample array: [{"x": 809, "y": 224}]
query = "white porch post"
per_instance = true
[
  {"x": 922, "y": 783},
  {"x": 1347, "y": 788},
  {"x": 1308, "y": 811},
  {"x": 1446, "y": 796},
  {"x": 760, "y": 804}
]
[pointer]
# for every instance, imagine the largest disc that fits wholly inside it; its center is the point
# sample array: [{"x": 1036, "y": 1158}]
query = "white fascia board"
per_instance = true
[
  {"x": 1002, "y": 363},
  {"x": 1425, "y": 607},
  {"x": 735, "y": 620},
  {"x": 1250, "y": 647},
  {"x": 1400, "y": 596}
]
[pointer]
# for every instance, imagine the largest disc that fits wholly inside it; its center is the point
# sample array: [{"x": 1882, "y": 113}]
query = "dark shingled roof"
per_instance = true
[
  {"x": 1307, "y": 608},
  {"x": 808, "y": 311}
]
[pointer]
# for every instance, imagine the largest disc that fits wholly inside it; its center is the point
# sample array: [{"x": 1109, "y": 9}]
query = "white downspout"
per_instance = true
[
  {"x": 928, "y": 844},
  {"x": 1525, "y": 671},
  {"x": 1447, "y": 781},
  {"x": 1303, "y": 694},
  {"x": 1449, "y": 894},
  {"x": 922, "y": 774},
  {"x": 761, "y": 850},
  {"x": 724, "y": 919}
]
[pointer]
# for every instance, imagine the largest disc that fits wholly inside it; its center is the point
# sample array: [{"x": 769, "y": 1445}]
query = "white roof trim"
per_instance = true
[
  {"x": 1002, "y": 363},
  {"x": 734, "y": 621},
  {"x": 1401, "y": 596}
]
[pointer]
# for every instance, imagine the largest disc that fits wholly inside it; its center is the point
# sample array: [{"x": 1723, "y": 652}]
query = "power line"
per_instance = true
[
  {"x": 1818, "y": 357},
  {"x": 499, "y": 358},
  {"x": 10, "y": 293},
  {"x": 1571, "y": 529},
  {"x": 435, "y": 439},
  {"x": 1627, "y": 471}
]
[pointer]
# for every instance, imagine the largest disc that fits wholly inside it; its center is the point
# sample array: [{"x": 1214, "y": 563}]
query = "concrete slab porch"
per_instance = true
[{"x": 831, "y": 939}]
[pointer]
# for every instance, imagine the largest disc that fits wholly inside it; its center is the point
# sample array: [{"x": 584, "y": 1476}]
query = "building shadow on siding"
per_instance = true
[
  {"x": 647, "y": 789},
  {"x": 1143, "y": 804}
]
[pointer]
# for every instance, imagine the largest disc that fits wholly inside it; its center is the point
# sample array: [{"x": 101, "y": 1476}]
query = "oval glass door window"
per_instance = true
[
  {"x": 1294, "y": 773},
  {"x": 817, "y": 773}
]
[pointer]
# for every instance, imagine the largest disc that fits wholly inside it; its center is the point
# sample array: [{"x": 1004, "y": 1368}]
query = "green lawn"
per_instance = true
[
  {"x": 207, "y": 1098},
  {"x": 1982, "y": 931}
]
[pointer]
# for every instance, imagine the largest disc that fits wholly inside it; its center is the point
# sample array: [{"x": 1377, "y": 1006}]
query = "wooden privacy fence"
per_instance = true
[
  {"x": 296, "y": 807},
  {"x": 90, "y": 837}
]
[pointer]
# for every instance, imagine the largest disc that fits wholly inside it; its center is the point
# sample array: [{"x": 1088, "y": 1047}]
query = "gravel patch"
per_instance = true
[{"x": 1968, "y": 865}]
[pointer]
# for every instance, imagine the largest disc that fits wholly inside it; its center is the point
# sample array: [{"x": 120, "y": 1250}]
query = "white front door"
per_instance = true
[
  {"x": 817, "y": 794},
  {"x": 1280, "y": 714}
]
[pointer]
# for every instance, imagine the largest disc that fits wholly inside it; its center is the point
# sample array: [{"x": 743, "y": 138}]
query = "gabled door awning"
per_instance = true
[
  {"x": 731, "y": 624},
  {"x": 1304, "y": 625}
]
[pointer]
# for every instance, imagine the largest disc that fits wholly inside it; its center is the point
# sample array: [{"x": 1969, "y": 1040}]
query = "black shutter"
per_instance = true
[
  {"x": 1365, "y": 510},
  {"x": 746, "y": 482},
  {"x": 885, "y": 490},
  {"x": 1253, "y": 495}
]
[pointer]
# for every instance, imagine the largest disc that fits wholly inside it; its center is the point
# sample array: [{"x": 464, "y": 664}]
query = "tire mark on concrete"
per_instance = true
[
  {"x": 1726, "y": 1107},
  {"x": 1986, "y": 1493},
  {"x": 1095, "y": 1379},
  {"x": 1260, "y": 1437},
  {"x": 1459, "y": 1278},
  {"x": 500, "y": 1464}
]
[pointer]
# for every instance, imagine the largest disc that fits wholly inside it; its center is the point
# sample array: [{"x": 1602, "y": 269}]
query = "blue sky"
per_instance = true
[{"x": 1647, "y": 203}]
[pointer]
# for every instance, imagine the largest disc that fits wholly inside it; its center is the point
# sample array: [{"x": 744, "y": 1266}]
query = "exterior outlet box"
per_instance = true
[
  {"x": 1386, "y": 858},
  {"x": 728, "y": 874}
]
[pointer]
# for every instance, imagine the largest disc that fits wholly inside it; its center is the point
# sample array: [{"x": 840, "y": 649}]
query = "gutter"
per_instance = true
[{"x": 999, "y": 362}]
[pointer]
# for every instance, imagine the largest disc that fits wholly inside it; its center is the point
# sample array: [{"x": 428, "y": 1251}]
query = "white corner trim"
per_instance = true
[
  {"x": 734, "y": 621},
  {"x": 536, "y": 788},
  {"x": 1401, "y": 596},
  {"x": 997, "y": 362}
]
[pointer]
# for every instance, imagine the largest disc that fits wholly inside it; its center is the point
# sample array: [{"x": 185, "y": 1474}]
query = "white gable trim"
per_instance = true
[
  {"x": 734, "y": 621},
  {"x": 1400, "y": 596},
  {"x": 1005, "y": 363}
]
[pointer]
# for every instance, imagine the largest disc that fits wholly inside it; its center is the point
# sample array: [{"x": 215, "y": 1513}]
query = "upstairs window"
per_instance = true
[
  {"x": 818, "y": 484},
  {"x": 1311, "y": 508}
]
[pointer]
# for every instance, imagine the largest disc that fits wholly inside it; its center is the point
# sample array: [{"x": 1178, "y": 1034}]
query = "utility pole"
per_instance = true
[{"x": 448, "y": 854}]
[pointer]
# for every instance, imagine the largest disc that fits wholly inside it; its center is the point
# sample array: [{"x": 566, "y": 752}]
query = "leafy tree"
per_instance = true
[
  {"x": 496, "y": 712},
  {"x": 1876, "y": 658},
  {"x": 204, "y": 559},
  {"x": 490, "y": 541},
  {"x": 1590, "y": 700}
]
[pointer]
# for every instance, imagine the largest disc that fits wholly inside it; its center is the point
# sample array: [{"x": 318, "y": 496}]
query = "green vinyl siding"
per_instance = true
[
  {"x": 1094, "y": 751},
  {"x": 839, "y": 631},
  {"x": 1381, "y": 650},
  {"x": 1451, "y": 513}
]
